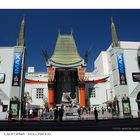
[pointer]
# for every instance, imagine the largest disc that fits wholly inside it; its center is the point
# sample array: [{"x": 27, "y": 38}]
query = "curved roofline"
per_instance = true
[
  {"x": 64, "y": 49},
  {"x": 81, "y": 62},
  {"x": 67, "y": 64}
]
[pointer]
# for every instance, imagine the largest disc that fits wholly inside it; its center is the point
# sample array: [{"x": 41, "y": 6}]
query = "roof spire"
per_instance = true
[
  {"x": 21, "y": 40},
  {"x": 111, "y": 19},
  {"x": 59, "y": 31},
  {"x": 17, "y": 42},
  {"x": 114, "y": 34},
  {"x": 71, "y": 31}
]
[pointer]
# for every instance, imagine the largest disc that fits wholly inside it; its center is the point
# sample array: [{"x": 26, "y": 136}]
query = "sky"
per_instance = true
[{"x": 91, "y": 28}]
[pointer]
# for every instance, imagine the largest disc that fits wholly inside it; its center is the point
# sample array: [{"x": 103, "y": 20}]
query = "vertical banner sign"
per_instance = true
[
  {"x": 121, "y": 68},
  {"x": 17, "y": 69},
  {"x": 51, "y": 73},
  {"x": 81, "y": 74}
]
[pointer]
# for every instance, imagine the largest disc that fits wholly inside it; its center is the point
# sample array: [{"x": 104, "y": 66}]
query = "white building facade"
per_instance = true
[
  {"x": 37, "y": 87},
  {"x": 12, "y": 74},
  {"x": 12, "y": 68},
  {"x": 102, "y": 91},
  {"x": 119, "y": 64}
]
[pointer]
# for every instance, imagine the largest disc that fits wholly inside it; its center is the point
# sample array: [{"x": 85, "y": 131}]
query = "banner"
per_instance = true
[
  {"x": 81, "y": 74},
  {"x": 51, "y": 73},
  {"x": 121, "y": 68},
  {"x": 17, "y": 69}
]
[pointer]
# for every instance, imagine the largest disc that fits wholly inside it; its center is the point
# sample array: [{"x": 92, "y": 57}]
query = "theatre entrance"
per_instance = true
[{"x": 66, "y": 86}]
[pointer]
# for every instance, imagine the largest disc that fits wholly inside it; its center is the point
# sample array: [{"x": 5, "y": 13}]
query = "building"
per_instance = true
[
  {"x": 100, "y": 91},
  {"x": 120, "y": 62},
  {"x": 66, "y": 70},
  {"x": 37, "y": 87},
  {"x": 12, "y": 71}
]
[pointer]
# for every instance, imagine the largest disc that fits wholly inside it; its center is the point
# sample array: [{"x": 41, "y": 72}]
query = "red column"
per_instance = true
[
  {"x": 50, "y": 98},
  {"x": 82, "y": 96}
]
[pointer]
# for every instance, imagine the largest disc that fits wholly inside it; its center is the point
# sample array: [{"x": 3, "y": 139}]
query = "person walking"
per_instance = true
[
  {"x": 79, "y": 112},
  {"x": 89, "y": 109},
  {"x": 31, "y": 113},
  {"x": 61, "y": 112},
  {"x": 102, "y": 110},
  {"x": 56, "y": 114},
  {"x": 40, "y": 112},
  {"x": 96, "y": 114},
  {"x": 10, "y": 112},
  {"x": 51, "y": 113}
]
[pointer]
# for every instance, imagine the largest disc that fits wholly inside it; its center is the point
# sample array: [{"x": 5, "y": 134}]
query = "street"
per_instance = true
[{"x": 75, "y": 125}]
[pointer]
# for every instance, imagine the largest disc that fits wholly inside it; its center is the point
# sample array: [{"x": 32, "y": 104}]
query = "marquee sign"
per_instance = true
[
  {"x": 17, "y": 69},
  {"x": 121, "y": 68}
]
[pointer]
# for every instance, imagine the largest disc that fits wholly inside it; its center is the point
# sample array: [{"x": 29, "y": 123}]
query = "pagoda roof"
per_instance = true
[{"x": 65, "y": 52}]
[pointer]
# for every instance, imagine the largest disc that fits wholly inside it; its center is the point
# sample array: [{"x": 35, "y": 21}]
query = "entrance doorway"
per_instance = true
[{"x": 66, "y": 81}]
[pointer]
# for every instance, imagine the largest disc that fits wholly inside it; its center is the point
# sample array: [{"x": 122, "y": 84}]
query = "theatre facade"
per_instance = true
[
  {"x": 66, "y": 70},
  {"x": 114, "y": 81}
]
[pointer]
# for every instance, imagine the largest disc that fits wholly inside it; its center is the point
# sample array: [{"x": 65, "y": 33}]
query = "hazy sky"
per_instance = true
[{"x": 91, "y": 28}]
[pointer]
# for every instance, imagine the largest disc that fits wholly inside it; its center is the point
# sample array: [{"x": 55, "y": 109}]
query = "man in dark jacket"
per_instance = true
[
  {"x": 61, "y": 112},
  {"x": 96, "y": 114},
  {"x": 56, "y": 114}
]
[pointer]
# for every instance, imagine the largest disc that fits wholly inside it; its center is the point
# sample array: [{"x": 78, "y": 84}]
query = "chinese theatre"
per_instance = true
[{"x": 66, "y": 71}]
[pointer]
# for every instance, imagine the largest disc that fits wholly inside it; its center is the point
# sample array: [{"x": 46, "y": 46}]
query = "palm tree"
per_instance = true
[{"x": 45, "y": 100}]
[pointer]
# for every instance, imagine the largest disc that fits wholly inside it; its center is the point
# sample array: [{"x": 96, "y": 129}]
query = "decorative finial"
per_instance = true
[
  {"x": 71, "y": 31},
  {"x": 17, "y": 42},
  {"x": 112, "y": 19},
  {"x": 59, "y": 31},
  {"x": 23, "y": 19},
  {"x": 21, "y": 38},
  {"x": 114, "y": 34}
]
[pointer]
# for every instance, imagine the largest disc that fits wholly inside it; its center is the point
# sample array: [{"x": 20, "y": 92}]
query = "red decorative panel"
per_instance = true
[
  {"x": 81, "y": 74},
  {"x": 51, "y": 73}
]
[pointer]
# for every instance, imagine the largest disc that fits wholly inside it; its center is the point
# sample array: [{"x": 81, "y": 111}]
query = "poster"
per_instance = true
[{"x": 126, "y": 108}]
